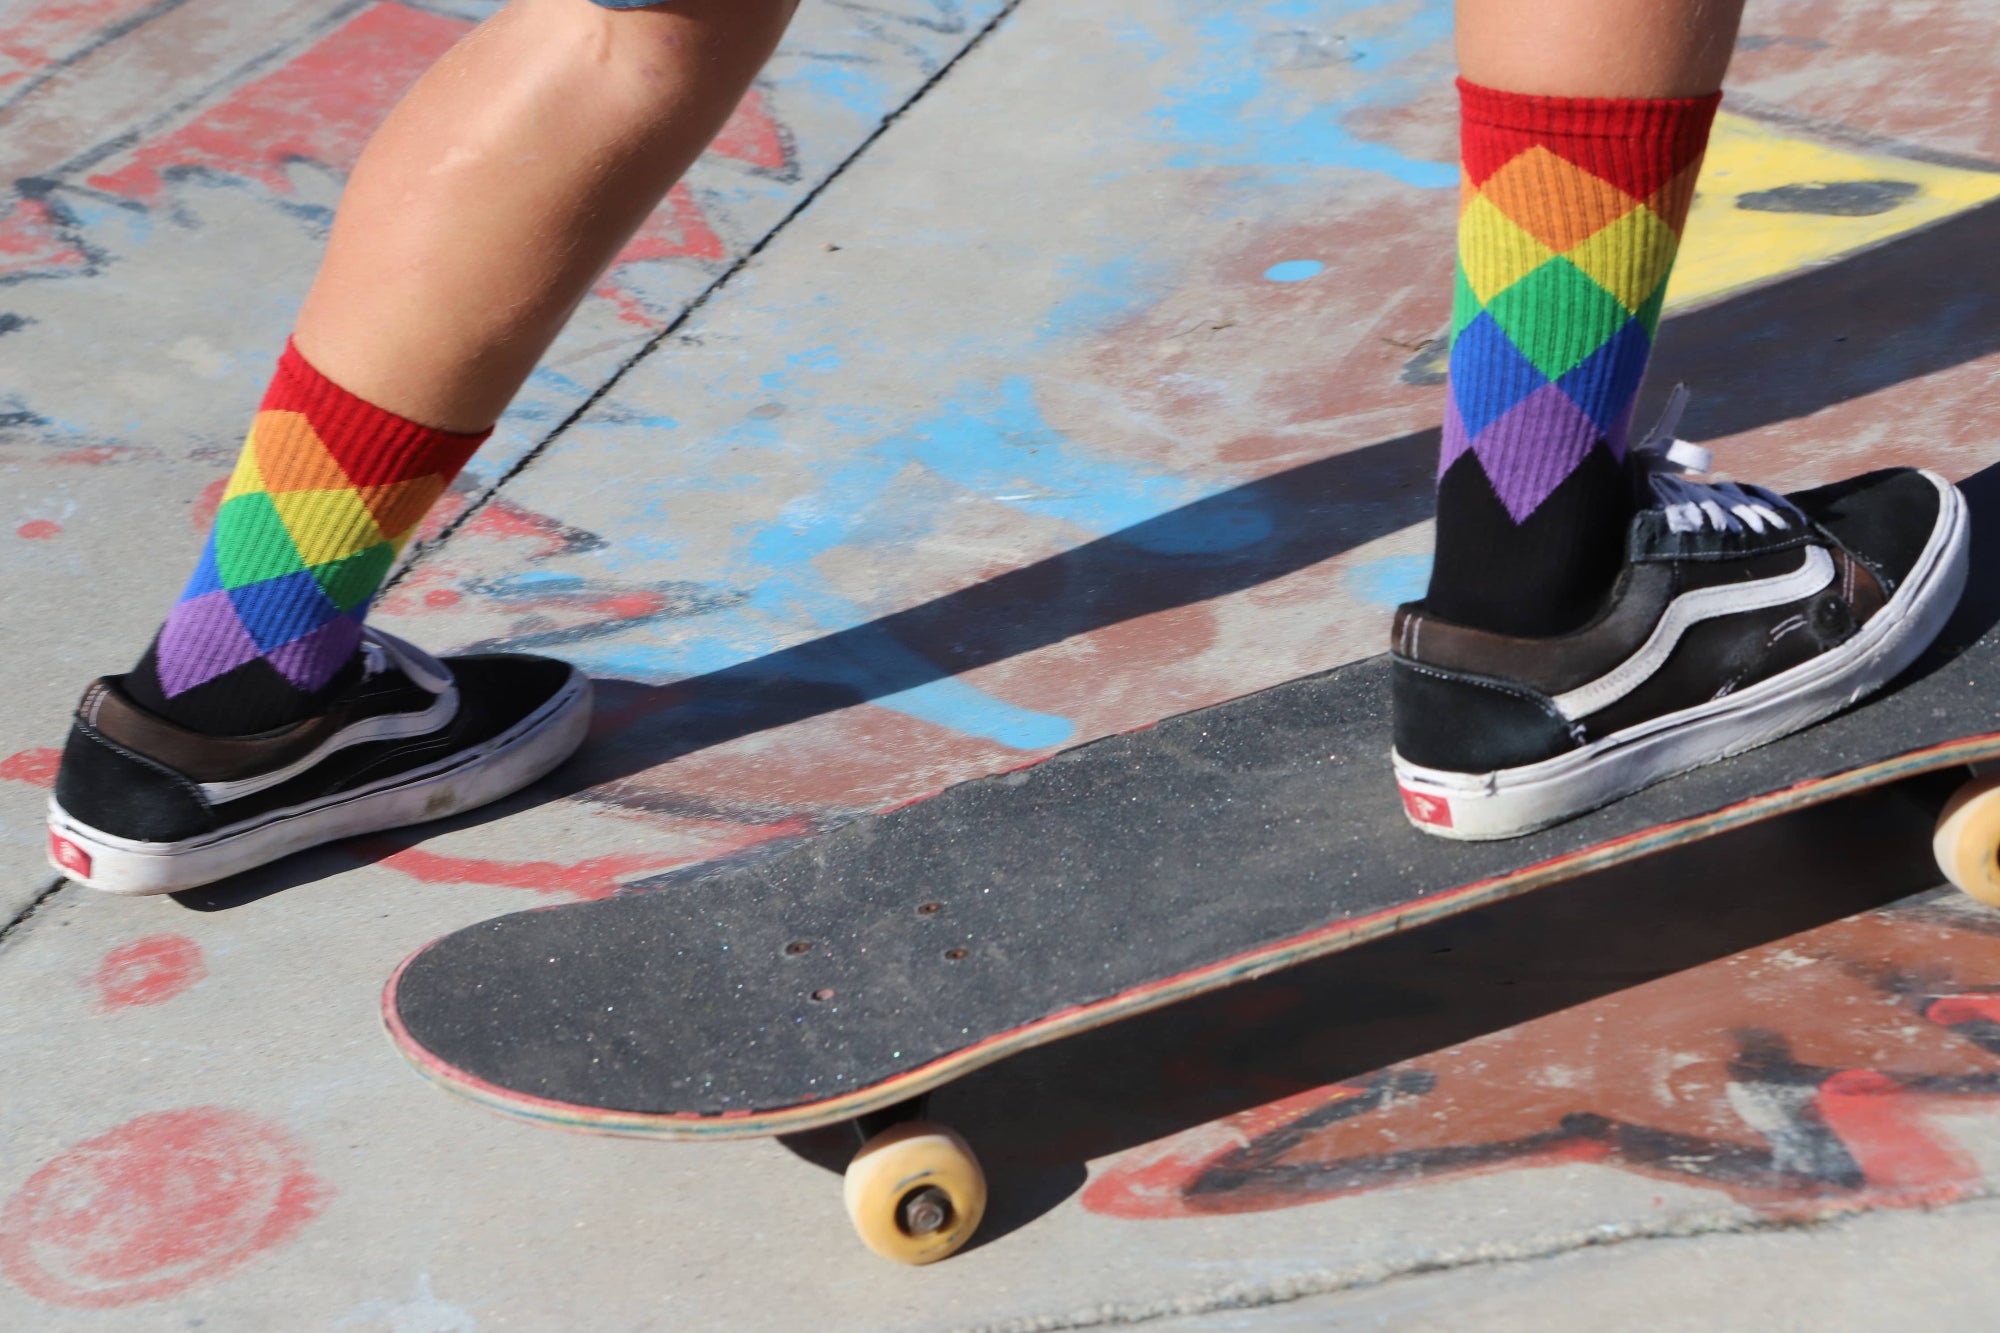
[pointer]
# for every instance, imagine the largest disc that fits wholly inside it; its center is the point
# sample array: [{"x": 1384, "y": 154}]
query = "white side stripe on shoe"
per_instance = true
[
  {"x": 388, "y": 727},
  {"x": 1687, "y": 611}
]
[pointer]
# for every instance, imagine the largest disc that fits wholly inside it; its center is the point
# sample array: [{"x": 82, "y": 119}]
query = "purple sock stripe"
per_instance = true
[
  {"x": 202, "y": 639},
  {"x": 312, "y": 661},
  {"x": 1529, "y": 451},
  {"x": 1455, "y": 440}
]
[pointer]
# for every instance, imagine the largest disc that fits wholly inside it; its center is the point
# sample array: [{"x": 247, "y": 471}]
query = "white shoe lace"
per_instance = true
[
  {"x": 381, "y": 650},
  {"x": 1691, "y": 506}
]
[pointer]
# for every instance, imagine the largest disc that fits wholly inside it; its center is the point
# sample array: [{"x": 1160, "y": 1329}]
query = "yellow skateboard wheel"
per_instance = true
[
  {"x": 915, "y": 1193},
  {"x": 1967, "y": 841}
]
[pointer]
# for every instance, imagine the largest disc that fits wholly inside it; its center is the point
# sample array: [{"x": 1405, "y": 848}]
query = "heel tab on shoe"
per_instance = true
[
  {"x": 93, "y": 697},
  {"x": 1461, "y": 723},
  {"x": 126, "y": 793}
]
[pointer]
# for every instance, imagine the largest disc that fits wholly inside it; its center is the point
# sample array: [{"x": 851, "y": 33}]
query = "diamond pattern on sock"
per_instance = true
[
  {"x": 1502, "y": 254},
  {"x": 310, "y": 661},
  {"x": 1571, "y": 214},
  {"x": 290, "y": 456},
  {"x": 1528, "y": 451},
  {"x": 251, "y": 543},
  {"x": 1506, "y": 376},
  {"x": 202, "y": 639},
  {"x": 1557, "y": 316},
  {"x": 326, "y": 525},
  {"x": 276, "y": 611},
  {"x": 399, "y": 506},
  {"x": 1552, "y": 201},
  {"x": 325, "y": 494},
  {"x": 1624, "y": 257}
]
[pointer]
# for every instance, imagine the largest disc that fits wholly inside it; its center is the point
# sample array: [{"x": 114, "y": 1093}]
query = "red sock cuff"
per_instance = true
[
  {"x": 373, "y": 446},
  {"x": 1639, "y": 144},
  {"x": 1606, "y": 117}
]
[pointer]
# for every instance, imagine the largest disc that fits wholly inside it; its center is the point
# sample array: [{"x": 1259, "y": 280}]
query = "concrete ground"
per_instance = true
[{"x": 1138, "y": 305}]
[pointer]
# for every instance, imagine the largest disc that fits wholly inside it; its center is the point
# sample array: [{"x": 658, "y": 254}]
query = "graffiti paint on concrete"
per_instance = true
[
  {"x": 1226, "y": 413},
  {"x": 147, "y": 971},
  {"x": 101, "y": 197},
  {"x": 1801, "y": 1077},
  {"x": 161, "y": 1204}
]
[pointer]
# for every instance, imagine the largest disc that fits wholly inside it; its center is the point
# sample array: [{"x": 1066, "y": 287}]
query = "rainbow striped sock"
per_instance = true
[
  {"x": 1570, "y": 215},
  {"x": 326, "y": 493}
]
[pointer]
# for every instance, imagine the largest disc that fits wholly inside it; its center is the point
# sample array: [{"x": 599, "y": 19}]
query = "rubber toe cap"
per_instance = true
[{"x": 1886, "y": 518}]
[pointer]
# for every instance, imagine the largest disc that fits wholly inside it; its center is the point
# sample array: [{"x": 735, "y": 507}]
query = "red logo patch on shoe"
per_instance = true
[
  {"x": 1427, "y": 809},
  {"x": 68, "y": 855}
]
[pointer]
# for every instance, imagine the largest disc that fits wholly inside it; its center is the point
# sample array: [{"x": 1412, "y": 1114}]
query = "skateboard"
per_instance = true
[{"x": 842, "y": 977}]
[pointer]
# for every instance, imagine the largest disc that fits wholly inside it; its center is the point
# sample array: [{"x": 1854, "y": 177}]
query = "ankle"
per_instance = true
[{"x": 245, "y": 702}]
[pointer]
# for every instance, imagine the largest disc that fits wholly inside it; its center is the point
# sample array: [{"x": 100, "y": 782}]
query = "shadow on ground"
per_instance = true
[
  {"x": 1037, "y": 1119},
  {"x": 1978, "y": 612},
  {"x": 1824, "y": 336}
]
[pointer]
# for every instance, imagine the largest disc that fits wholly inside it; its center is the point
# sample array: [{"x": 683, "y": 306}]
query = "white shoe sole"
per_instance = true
[
  {"x": 462, "y": 781},
  {"x": 1514, "y": 801}
]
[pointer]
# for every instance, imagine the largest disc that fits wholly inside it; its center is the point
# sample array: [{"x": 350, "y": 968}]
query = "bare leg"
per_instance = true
[
  {"x": 501, "y": 186},
  {"x": 480, "y": 214},
  {"x": 1598, "y": 48},
  {"x": 1574, "y": 111}
]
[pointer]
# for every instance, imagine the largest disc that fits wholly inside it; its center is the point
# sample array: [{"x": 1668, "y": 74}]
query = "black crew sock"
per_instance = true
[
  {"x": 246, "y": 700},
  {"x": 1545, "y": 575}
]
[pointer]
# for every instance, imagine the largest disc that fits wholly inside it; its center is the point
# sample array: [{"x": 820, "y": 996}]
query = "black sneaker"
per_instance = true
[
  {"x": 142, "y": 805},
  {"x": 1740, "y": 616}
]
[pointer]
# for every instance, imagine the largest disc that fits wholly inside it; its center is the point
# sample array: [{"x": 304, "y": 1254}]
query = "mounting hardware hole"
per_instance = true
[
  {"x": 954, "y": 954},
  {"x": 797, "y": 947},
  {"x": 823, "y": 994}
]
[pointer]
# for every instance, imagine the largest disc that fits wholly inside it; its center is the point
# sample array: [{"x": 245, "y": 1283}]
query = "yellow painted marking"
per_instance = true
[{"x": 1726, "y": 247}]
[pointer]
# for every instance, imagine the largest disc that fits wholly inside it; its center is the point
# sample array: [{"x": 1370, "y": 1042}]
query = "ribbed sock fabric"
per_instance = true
[
  {"x": 1570, "y": 214},
  {"x": 326, "y": 493}
]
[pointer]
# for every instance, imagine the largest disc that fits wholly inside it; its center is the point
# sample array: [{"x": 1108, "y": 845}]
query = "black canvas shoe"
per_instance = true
[
  {"x": 144, "y": 806},
  {"x": 1740, "y": 616}
]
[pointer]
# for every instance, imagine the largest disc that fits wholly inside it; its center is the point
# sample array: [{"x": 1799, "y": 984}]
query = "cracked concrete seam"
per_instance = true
[
  {"x": 422, "y": 549},
  {"x": 34, "y": 905},
  {"x": 1260, "y": 1295},
  {"x": 419, "y": 550}
]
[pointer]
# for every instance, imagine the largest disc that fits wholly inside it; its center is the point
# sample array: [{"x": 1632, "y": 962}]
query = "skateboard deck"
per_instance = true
[{"x": 864, "y": 966}]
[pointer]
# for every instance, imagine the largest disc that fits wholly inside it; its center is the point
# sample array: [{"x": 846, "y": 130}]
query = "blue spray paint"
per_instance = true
[
  {"x": 1294, "y": 270},
  {"x": 1390, "y": 581},
  {"x": 1233, "y": 111},
  {"x": 989, "y": 440}
]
